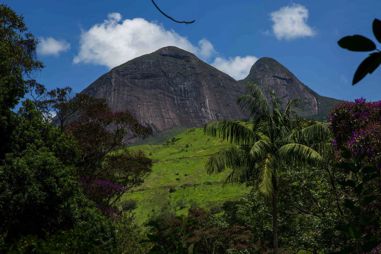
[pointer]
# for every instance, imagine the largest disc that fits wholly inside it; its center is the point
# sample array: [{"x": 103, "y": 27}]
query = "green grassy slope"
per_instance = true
[{"x": 179, "y": 179}]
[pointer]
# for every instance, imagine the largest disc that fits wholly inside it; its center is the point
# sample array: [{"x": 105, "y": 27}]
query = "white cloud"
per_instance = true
[
  {"x": 206, "y": 48},
  {"x": 51, "y": 47},
  {"x": 237, "y": 67},
  {"x": 116, "y": 41},
  {"x": 289, "y": 22}
]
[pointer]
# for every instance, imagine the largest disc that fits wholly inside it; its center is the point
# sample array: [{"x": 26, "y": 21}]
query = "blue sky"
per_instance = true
[{"x": 81, "y": 40}]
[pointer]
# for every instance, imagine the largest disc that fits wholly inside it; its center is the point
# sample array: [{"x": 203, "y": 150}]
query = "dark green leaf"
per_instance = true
[
  {"x": 369, "y": 199},
  {"x": 357, "y": 43},
  {"x": 347, "y": 183},
  {"x": 368, "y": 66},
  {"x": 377, "y": 29},
  {"x": 348, "y": 203}
]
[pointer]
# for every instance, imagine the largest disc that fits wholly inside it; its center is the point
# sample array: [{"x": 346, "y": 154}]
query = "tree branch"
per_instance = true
[{"x": 169, "y": 17}]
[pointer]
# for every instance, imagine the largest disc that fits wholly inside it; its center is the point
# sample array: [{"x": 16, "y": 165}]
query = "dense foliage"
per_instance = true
[
  {"x": 357, "y": 143},
  {"x": 45, "y": 206},
  {"x": 17, "y": 60},
  {"x": 199, "y": 232}
]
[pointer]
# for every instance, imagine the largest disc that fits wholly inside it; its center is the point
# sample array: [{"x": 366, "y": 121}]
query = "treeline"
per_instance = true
[
  {"x": 316, "y": 186},
  {"x": 60, "y": 181}
]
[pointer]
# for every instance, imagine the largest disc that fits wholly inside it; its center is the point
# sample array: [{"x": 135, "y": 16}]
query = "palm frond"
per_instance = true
[
  {"x": 295, "y": 151},
  {"x": 242, "y": 174},
  {"x": 232, "y": 131},
  {"x": 291, "y": 104},
  {"x": 254, "y": 102},
  {"x": 227, "y": 158},
  {"x": 266, "y": 186},
  {"x": 316, "y": 133},
  {"x": 260, "y": 148}
]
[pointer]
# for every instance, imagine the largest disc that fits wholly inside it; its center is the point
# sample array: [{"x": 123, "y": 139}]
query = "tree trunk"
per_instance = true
[{"x": 275, "y": 214}]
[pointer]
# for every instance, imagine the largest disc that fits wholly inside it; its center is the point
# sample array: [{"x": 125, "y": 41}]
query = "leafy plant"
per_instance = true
[
  {"x": 17, "y": 62},
  {"x": 357, "y": 132},
  {"x": 360, "y": 43},
  {"x": 200, "y": 233},
  {"x": 263, "y": 149}
]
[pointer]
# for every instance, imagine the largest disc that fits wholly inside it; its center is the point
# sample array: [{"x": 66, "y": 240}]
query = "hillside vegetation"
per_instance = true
[{"x": 179, "y": 180}]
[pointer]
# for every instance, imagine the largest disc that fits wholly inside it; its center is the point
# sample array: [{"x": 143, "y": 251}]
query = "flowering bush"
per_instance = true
[
  {"x": 366, "y": 143},
  {"x": 356, "y": 127}
]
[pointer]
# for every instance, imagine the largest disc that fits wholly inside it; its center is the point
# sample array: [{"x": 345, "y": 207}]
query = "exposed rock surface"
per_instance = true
[
  {"x": 270, "y": 75},
  {"x": 170, "y": 88}
]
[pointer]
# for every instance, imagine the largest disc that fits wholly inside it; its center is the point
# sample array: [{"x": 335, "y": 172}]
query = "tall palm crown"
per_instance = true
[
  {"x": 269, "y": 142},
  {"x": 271, "y": 138}
]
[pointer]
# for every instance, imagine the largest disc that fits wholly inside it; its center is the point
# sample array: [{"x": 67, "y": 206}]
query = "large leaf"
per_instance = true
[
  {"x": 377, "y": 29},
  {"x": 226, "y": 158},
  {"x": 368, "y": 66},
  {"x": 232, "y": 131},
  {"x": 299, "y": 152},
  {"x": 266, "y": 186},
  {"x": 316, "y": 133},
  {"x": 254, "y": 102},
  {"x": 357, "y": 43},
  {"x": 260, "y": 149}
]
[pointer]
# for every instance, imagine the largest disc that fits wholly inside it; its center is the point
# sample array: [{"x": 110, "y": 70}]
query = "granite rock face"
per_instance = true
[
  {"x": 170, "y": 88},
  {"x": 270, "y": 76}
]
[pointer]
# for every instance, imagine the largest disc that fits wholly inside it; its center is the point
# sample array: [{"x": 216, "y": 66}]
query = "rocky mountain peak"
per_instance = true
[
  {"x": 170, "y": 88},
  {"x": 272, "y": 76},
  {"x": 175, "y": 52}
]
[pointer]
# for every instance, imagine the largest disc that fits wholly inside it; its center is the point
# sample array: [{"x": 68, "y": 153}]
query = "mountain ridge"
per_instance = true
[
  {"x": 270, "y": 75},
  {"x": 172, "y": 88}
]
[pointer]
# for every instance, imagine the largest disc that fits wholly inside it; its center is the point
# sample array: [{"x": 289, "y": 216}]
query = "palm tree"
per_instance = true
[{"x": 262, "y": 146}]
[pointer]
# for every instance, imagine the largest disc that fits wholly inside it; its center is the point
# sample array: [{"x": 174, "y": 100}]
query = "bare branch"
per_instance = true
[{"x": 169, "y": 17}]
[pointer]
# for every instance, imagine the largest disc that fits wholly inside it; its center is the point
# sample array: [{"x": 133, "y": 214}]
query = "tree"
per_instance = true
[
  {"x": 262, "y": 149},
  {"x": 43, "y": 208},
  {"x": 17, "y": 61},
  {"x": 105, "y": 173},
  {"x": 40, "y": 196}
]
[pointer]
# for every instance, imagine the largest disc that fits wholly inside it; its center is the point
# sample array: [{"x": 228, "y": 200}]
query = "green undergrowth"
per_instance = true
[{"x": 179, "y": 179}]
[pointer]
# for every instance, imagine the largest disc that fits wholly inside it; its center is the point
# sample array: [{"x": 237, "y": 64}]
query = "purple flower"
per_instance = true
[
  {"x": 366, "y": 142},
  {"x": 360, "y": 101}
]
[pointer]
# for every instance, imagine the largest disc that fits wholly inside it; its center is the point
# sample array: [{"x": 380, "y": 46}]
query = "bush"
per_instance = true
[
  {"x": 200, "y": 232},
  {"x": 356, "y": 129},
  {"x": 39, "y": 195}
]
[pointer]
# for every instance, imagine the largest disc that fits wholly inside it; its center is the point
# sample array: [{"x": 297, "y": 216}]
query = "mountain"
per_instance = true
[
  {"x": 270, "y": 76},
  {"x": 169, "y": 88}
]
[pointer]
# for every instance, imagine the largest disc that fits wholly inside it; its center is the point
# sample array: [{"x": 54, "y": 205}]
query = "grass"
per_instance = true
[{"x": 179, "y": 179}]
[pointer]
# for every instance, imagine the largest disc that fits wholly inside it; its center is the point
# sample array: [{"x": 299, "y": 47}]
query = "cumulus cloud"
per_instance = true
[
  {"x": 237, "y": 67},
  {"x": 116, "y": 41},
  {"x": 51, "y": 47},
  {"x": 206, "y": 49},
  {"x": 290, "y": 22}
]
